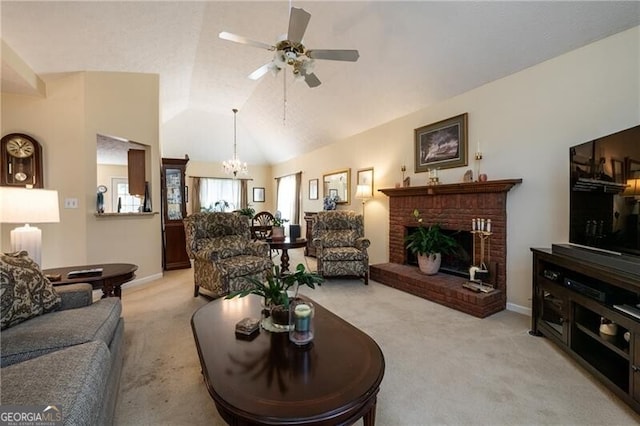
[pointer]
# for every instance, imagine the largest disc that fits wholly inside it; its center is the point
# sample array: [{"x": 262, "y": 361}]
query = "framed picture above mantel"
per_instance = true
[{"x": 441, "y": 145}]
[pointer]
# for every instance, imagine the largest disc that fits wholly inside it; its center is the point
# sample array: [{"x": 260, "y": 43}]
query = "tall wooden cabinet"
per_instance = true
[{"x": 174, "y": 210}]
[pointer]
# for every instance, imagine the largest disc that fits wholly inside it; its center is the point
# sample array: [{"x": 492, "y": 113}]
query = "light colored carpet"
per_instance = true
[{"x": 442, "y": 366}]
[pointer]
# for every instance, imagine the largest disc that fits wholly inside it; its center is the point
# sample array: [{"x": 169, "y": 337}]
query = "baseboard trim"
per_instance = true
[
  {"x": 519, "y": 309},
  {"x": 143, "y": 280}
]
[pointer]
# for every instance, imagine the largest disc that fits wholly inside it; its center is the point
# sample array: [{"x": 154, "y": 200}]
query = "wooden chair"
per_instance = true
[{"x": 261, "y": 226}]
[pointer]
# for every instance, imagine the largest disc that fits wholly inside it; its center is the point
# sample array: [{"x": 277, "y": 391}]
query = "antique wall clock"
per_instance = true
[{"x": 21, "y": 161}]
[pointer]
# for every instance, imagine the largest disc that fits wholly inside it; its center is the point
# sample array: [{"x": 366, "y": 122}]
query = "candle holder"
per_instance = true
[
  {"x": 478, "y": 158},
  {"x": 301, "y": 315},
  {"x": 433, "y": 177}
]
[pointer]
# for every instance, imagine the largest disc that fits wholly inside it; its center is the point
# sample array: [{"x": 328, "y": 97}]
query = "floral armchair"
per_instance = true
[
  {"x": 341, "y": 248},
  {"x": 224, "y": 254}
]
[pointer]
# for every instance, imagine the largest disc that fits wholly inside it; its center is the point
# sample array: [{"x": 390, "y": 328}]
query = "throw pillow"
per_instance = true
[{"x": 24, "y": 290}]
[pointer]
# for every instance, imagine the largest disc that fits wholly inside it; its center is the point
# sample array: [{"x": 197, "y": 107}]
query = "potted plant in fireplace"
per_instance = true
[
  {"x": 275, "y": 290},
  {"x": 428, "y": 244}
]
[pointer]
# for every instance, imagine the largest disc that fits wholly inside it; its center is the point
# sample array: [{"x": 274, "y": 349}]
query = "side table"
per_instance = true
[
  {"x": 285, "y": 245},
  {"x": 110, "y": 280}
]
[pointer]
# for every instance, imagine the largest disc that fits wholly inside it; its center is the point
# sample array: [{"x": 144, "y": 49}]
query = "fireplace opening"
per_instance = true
[{"x": 456, "y": 263}]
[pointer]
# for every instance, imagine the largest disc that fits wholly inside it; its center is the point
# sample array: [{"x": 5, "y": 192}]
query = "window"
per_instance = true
[
  {"x": 128, "y": 203},
  {"x": 288, "y": 197},
  {"x": 224, "y": 192}
]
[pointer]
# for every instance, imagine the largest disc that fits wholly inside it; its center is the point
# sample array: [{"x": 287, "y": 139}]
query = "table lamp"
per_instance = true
[
  {"x": 363, "y": 192},
  {"x": 26, "y": 205}
]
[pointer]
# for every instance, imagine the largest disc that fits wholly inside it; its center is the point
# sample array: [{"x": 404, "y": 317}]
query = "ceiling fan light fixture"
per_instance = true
[
  {"x": 274, "y": 69},
  {"x": 234, "y": 166},
  {"x": 289, "y": 50},
  {"x": 279, "y": 59}
]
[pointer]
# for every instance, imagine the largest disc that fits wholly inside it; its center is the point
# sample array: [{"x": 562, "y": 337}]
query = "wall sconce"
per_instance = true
[{"x": 25, "y": 205}]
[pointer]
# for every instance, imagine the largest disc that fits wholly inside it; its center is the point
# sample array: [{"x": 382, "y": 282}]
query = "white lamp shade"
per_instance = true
[
  {"x": 25, "y": 205},
  {"x": 363, "y": 192}
]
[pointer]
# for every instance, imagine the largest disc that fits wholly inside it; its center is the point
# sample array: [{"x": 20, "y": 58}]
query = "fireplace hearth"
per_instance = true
[{"x": 453, "y": 206}]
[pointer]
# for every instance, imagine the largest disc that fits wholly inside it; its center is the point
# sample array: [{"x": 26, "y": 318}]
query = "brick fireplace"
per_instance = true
[{"x": 453, "y": 206}]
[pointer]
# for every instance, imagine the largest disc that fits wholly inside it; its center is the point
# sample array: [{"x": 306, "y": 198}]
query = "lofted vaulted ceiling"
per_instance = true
[{"x": 412, "y": 54}]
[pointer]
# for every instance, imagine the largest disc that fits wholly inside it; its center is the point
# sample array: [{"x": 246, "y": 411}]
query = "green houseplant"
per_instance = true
[
  {"x": 428, "y": 244},
  {"x": 274, "y": 290},
  {"x": 248, "y": 212}
]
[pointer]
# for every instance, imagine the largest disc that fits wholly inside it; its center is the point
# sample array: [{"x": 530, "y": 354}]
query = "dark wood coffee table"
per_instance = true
[
  {"x": 110, "y": 280},
  {"x": 285, "y": 245},
  {"x": 269, "y": 380}
]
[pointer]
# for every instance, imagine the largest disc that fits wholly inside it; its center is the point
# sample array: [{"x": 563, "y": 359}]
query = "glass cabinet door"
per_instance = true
[
  {"x": 174, "y": 185},
  {"x": 554, "y": 310}
]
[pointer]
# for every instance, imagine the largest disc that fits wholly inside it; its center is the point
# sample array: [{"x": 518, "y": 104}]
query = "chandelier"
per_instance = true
[{"x": 234, "y": 166}]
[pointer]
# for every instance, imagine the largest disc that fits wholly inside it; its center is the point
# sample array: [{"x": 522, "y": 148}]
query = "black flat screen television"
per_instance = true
[{"x": 603, "y": 212}]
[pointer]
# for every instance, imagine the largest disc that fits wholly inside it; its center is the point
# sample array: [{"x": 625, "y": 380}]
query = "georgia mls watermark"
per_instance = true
[{"x": 30, "y": 415}]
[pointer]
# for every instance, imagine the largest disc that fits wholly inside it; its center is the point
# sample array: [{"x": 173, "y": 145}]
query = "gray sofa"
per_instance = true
[{"x": 71, "y": 357}]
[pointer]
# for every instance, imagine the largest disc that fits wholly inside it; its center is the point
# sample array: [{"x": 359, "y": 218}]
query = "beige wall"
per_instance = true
[
  {"x": 57, "y": 122},
  {"x": 77, "y": 107},
  {"x": 525, "y": 124}
]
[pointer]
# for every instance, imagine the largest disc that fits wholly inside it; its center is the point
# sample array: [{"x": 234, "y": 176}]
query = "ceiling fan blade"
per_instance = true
[
  {"x": 334, "y": 55},
  {"x": 260, "y": 71},
  {"x": 298, "y": 21},
  {"x": 243, "y": 40},
  {"x": 312, "y": 80}
]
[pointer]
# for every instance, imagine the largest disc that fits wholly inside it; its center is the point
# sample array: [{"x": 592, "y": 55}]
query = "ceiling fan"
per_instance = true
[{"x": 292, "y": 52}]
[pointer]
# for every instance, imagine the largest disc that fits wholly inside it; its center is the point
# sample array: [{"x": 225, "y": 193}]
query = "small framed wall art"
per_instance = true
[
  {"x": 258, "y": 195},
  {"x": 441, "y": 145},
  {"x": 313, "y": 189}
]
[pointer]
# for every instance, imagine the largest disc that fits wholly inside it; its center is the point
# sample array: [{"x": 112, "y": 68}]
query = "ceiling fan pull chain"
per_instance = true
[{"x": 284, "y": 103}]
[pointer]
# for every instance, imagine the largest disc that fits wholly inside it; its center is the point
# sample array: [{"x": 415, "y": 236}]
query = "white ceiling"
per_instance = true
[{"x": 412, "y": 55}]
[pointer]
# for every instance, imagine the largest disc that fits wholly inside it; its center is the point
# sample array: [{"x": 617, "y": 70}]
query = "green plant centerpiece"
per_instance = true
[
  {"x": 274, "y": 290},
  {"x": 428, "y": 244},
  {"x": 247, "y": 211}
]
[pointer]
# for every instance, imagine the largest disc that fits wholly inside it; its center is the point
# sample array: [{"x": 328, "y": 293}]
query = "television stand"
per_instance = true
[{"x": 571, "y": 296}]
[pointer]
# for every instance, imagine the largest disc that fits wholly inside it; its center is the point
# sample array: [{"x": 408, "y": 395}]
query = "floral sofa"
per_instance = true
[
  {"x": 341, "y": 248},
  {"x": 59, "y": 348},
  {"x": 223, "y": 253}
]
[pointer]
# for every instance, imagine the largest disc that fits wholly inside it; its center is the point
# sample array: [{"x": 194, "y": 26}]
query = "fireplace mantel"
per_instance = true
[
  {"x": 503, "y": 185},
  {"x": 452, "y": 206}
]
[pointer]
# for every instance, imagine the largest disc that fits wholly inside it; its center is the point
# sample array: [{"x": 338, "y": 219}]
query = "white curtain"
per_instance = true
[
  {"x": 287, "y": 198},
  {"x": 214, "y": 190}
]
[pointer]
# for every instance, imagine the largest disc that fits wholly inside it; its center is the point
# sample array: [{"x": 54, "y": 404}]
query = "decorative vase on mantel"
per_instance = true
[
  {"x": 277, "y": 233},
  {"x": 429, "y": 264}
]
